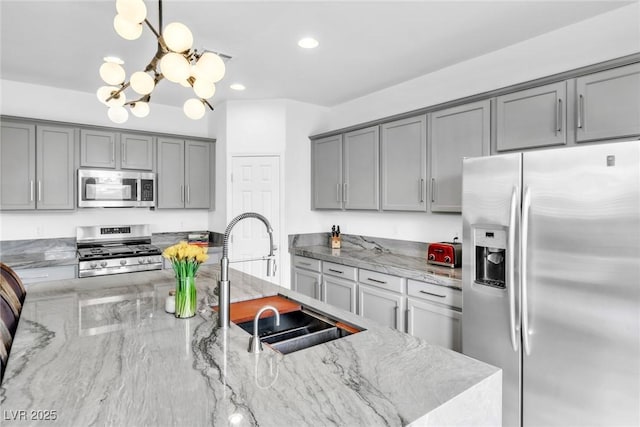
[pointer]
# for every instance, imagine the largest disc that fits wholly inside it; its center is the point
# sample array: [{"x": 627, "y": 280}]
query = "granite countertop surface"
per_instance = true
[
  {"x": 101, "y": 350},
  {"x": 385, "y": 262}
]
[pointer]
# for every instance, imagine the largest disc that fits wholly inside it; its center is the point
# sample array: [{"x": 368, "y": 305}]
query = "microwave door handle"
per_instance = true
[{"x": 511, "y": 284}]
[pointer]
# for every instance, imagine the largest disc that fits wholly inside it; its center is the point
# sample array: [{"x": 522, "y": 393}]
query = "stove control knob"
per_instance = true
[
  {"x": 93, "y": 264},
  {"x": 140, "y": 260},
  {"x": 103, "y": 264},
  {"x": 123, "y": 262}
]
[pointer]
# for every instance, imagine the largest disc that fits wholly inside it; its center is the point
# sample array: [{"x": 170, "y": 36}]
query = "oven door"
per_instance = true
[{"x": 115, "y": 189}]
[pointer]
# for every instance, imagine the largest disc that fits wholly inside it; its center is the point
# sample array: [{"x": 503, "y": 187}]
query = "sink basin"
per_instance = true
[{"x": 298, "y": 330}]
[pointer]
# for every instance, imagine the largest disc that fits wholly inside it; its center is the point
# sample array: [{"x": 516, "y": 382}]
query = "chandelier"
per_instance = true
[{"x": 174, "y": 60}]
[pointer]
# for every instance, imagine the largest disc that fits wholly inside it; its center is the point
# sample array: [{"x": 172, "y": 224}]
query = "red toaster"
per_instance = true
[{"x": 448, "y": 254}]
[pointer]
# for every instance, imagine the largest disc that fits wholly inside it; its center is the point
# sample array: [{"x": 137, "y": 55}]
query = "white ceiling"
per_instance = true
[{"x": 365, "y": 46}]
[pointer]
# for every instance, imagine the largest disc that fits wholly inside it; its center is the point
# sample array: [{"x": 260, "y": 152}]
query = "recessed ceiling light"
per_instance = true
[
  {"x": 113, "y": 59},
  {"x": 237, "y": 86},
  {"x": 308, "y": 43}
]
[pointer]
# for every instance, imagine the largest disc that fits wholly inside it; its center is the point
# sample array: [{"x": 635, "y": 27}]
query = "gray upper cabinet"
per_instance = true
[
  {"x": 105, "y": 149},
  {"x": 326, "y": 158},
  {"x": 98, "y": 148},
  {"x": 404, "y": 164},
  {"x": 608, "y": 104},
  {"x": 532, "y": 118},
  {"x": 38, "y": 166},
  {"x": 136, "y": 151},
  {"x": 184, "y": 174},
  {"x": 456, "y": 133},
  {"x": 18, "y": 166},
  {"x": 361, "y": 187},
  {"x": 55, "y": 167}
]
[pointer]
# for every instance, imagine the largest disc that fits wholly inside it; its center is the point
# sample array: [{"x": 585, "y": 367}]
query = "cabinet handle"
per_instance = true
[
  {"x": 304, "y": 263},
  {"x": 376, "y": 281},
  {"x": 124, "y": 152},
  {"x": 433, "y": 190},
  {"x": 31, "y": 191},
  {"x": 113, "y": 151},
  {"x": 344, "y": 192},
  {"x": 421, "y": 190},
  {"x": 336, "y": 271},
  {"x": 395, "y": 317},
  {"x": 182, "y": 193},
  {"x": 432, "y": 294},
  {"x": 338, "y": 193},
  {"x": 39, "y": 190},
  {"x": 188, "y": 194},
  {"x": 580, "y": 110},
  {"x": 559, "y": 116}
]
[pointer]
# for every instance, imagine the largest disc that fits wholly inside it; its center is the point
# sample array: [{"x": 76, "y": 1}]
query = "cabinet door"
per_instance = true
[
  {"x": 404, "y": 164},
  {"x": 456, "y": 133},
  {"x": 306, "y": 282},
  {"x": 197, "y": 174},
  {"x": 170, "y": 180},
  {"x": 532, "y": 118},
  {"x": 435, "y": 323},
  {"x": 98, "y": 148},
  {"x": 608, "y": 104},
  {"x": 136, "y": 151},
  {"x": 326, "y": 168},
  {"x": 17, "y": 166},
  {"x": 55, "y": 173},
  {"x": 362, "y": 169},
  {"x": 339, "y": 293},
  {"x": 384, "y": 307}
]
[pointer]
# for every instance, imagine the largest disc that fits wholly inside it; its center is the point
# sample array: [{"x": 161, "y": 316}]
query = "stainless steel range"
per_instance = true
[{"x": 116, "y": 249}]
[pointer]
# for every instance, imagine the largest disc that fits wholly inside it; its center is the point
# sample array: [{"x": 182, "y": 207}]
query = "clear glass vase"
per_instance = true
[{"x": 186, "y": 298}]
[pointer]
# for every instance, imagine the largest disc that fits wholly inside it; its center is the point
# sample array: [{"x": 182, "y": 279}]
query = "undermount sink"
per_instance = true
[{"x": 298, "y": 330}]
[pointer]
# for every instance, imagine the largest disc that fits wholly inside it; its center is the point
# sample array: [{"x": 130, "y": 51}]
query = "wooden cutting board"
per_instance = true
[{"x": 244, "y": 311}]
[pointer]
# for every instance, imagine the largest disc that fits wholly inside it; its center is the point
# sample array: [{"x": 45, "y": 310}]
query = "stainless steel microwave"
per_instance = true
[{"x": 116, "y": 189}]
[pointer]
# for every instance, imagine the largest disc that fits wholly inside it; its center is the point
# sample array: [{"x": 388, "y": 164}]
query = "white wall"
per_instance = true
[{"x": 48, "y": 103}]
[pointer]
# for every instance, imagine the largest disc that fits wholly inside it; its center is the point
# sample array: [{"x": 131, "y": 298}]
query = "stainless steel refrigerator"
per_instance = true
[{"x": 551, "y": 281}]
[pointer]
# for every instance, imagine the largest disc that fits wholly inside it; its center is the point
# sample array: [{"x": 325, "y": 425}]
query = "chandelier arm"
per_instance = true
[
  {"x": 117, "y": 93},
  {"x": 207, "y": 103},
  {"x": 160, "y": 15},
  {"x": 155, "y": 32}
]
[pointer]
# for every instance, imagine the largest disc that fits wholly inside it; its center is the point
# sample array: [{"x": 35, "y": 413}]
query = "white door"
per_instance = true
[{"x": 255, "y": 183}]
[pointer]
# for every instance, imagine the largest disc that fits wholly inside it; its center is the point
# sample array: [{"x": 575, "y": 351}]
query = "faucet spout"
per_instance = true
[
  {"x": 224, "y": 283},
  {"x": 255, "y": 345}
]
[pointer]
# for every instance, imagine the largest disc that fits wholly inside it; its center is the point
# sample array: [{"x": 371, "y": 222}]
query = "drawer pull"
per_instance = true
[
  {"x": 432, "y": 294},
  {"x": 304, "y": 263},
  {"x": 377, "y": 281},
  {"x": 336, "y": 271}
]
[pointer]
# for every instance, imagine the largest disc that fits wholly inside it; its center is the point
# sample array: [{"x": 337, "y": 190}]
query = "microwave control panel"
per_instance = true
[{"x": 146, "y": 190}]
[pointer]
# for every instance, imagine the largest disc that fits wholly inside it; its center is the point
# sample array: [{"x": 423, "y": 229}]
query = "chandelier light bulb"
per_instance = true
[
  {"x": 112, "y": 73},
  {"x": 133, "y": 11},
  {"x": 204, "y": 89},
  {"x": 177, "y": 37},
  {"x": 118, "y": 114},
  {"x": 210, "y": 67},
  {"x": 126, "y": 29},
  {"x": 175, "y": 67},
  {"x": 142, "y": 83},
  {"x": 105, "y": 92},
  {"x": 140, "y": 109},
  {"x": 193, "y": 108}
]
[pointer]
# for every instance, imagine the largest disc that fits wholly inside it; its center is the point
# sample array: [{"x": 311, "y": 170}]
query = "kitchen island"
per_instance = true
[{"x": 103, "y": 351}]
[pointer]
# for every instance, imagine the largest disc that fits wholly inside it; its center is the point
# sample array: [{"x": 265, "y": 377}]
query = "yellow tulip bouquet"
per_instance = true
[{"x": 186, "y": 260}]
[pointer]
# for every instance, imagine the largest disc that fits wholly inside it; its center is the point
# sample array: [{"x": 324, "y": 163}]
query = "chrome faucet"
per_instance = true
[
  {"x": 224, "y": 283},
  {"x": 255, "y": 345}
]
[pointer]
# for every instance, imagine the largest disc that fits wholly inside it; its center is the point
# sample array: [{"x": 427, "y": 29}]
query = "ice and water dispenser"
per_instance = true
[{"x": 490, "y": 263}]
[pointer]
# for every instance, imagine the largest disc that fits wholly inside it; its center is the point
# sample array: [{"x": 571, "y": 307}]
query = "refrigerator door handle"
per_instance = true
[
  {"x": 526, "y": 203},
  {"x": 511, "y": 286}
]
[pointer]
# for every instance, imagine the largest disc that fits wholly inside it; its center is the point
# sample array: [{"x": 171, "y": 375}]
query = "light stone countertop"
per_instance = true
[{"x": 102, "y": 351}]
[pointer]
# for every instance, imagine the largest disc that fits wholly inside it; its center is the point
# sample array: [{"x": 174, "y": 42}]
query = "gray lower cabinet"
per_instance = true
[
  {"x": 532, "y": 118},
  {"x": 114, "y": 150},
  {"x": 435, "y": 323},
  {"x": 339, "y": 285},
  {"x": 184, "y": 174},
  {"x": 361, "y": 169},
  {"x": 38, "y": 166},
  {"x": 456, "y": 133},
  {"x": 382, "y": 306},
  {"x": 608, "y": 104},
  {"x": 307, "y": 282},
  {"x": 326, "y": 170},
  {"x": 403, "y": 162}
]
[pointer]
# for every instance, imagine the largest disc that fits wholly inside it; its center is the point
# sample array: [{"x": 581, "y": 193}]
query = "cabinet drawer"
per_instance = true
[
  {"x": 381, "y": 280},
  {"x": 307, "y": 263},
  {"x": 46, "y": 274},
  {"x": 440, "y": 294},
  {"x": 339, "y": 270}
]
